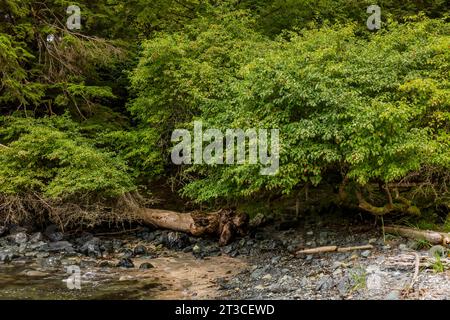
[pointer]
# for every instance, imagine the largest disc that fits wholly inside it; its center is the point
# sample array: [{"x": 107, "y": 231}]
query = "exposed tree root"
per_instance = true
[{"x": 401, "y": 205}]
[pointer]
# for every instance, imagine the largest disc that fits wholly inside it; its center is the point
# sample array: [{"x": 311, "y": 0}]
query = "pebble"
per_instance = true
[
  {"x": 366, "y": 253},
  {"x": 267, "y": 277}
]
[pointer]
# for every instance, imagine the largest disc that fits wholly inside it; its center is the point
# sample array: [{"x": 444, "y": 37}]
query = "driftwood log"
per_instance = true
[
  {"x": 226, "y": 224},
  {"x": 333, "y": 249},
  {"x": 433, "y": 237}
]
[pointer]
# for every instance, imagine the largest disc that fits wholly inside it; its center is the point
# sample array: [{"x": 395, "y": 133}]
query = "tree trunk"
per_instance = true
[
  {"x": 430, "y": 236},
  {"x": 223, "y": 223}
]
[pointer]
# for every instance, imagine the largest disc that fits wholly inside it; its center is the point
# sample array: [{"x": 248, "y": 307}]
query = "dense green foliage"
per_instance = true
[{"x": 87, "y": 116}]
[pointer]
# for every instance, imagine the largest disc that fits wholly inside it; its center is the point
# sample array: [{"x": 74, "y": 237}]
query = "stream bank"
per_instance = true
[{"x": 155, "y": 264}]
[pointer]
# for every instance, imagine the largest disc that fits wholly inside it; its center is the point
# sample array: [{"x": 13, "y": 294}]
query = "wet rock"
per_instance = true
[
  {"x": 127, "y": 253},
  {"x": 140, "y": 250},
  {"x": 53, "y": 234},
  {"x": 36, "y": 237},
  {"x": 59, "y": 246},
  {"x": 35, "y": 273},
  {"x": 39, "y": 246},
  {"x": 151, "y": 236},
  {"x": 117, "y": 244},
  {"x": 19, "y": 237},
  {"x": 125, "y": 263},
  {"x": 146, "y": 265},
  {"x": 17, "y": 229},
  {"x": 91, "y": 248},
  {"x": 3, "y": 230},
  {"x": 50, "y": 262},
  {"x": 196, "y": 249},
  {"x": 107, "y": 247},
  {"x": 176, "y": 240},
  {"x": 6, "y": 256},
  {"x": 105, "y": 264}
]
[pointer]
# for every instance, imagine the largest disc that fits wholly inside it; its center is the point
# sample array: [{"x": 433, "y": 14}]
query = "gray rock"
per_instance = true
[
  {"x": 40, "y": 246},
  {"x": 275, "y": 259},
  {"x": 105, "y": 264},
  {"x": 403, "y": 247},
  {"x": 176, "y": 240},
  {"x": 146, "y": 265},
  {"x": 91, "y": 248},
  {"x": 53, "y": 233},
  {"x": 125, "y": 263},
  {"x": 196, "y": 249},
  {"x": 139, "y": 250},
  {"x": 50, "y": 262},
  {"x": 393, "y": 295},
  {"x": 6, "y": 256},
  {"x": 20, "y": 237},
  {"x": 257, "y": 273},
  {"x": 366, "y": 253},
  {"x": 336, "y": 265},
  {"x": 59, "y": 246},
  {"x": 343, "y": 285},
  {"x": 36, "y": 237},
  {"x": 127, "y": 253},
  {"x": 16, "y": 229},
  {"x": 324, "y": 284}
]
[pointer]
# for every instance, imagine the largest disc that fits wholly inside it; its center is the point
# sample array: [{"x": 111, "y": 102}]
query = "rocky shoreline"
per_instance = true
[{"x": 154, "y": 264}]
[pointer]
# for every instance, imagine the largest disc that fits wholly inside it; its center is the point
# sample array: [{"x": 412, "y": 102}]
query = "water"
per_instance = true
[
  {"x": 23, "y": 282},
  {"x": 176, "y": 277}
]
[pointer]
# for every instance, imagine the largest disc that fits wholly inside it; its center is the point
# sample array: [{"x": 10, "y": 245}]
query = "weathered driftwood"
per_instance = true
[
  {"x": 333, "y": 249},
  {"x": 430, "y": 236},
  {"x": 224, "y": 223}
]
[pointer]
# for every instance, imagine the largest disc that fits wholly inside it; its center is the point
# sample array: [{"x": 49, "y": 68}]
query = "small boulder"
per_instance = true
[
  {"x": 125, "y": 263},
  {"x": 146, "y": 265},
  {"x": 139, "y": 250}
]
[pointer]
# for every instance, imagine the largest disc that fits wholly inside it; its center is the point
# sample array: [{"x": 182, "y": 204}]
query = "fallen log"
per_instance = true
[
  {"x": 433, "y": 237},
  {"x": 223, "y": 223},
  {"x": 333, "y": 249}
]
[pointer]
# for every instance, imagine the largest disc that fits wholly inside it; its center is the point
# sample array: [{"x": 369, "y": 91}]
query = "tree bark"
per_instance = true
[
  {"x": 223, "y": 223},
  {"x": 430, "y": 236}
]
